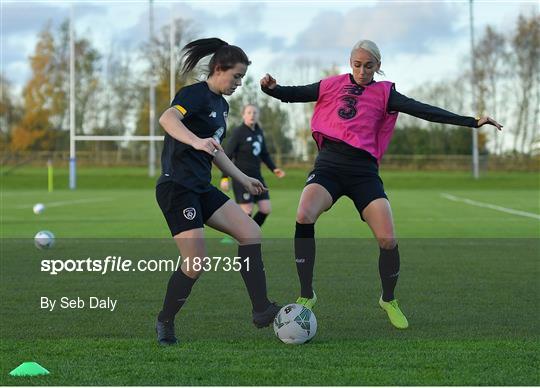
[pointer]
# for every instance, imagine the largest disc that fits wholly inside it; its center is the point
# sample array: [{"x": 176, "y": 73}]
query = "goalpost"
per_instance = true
[
  {"x": 73, "y": 159},
  {"x": 152, "y": 138}
]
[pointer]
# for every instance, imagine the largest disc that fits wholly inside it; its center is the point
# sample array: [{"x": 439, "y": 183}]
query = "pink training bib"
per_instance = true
[{"x": 354, "y": 114}]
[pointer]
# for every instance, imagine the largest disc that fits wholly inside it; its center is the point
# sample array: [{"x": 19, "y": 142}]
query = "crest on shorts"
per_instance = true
[
  {"x": 310, "y": 177},
  {"x": 190, "y": 213},
  {"x": 246, "y": 196}
]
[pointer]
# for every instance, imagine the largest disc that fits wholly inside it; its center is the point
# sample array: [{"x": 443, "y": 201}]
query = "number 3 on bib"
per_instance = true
[{"x": 348, "y": 109}]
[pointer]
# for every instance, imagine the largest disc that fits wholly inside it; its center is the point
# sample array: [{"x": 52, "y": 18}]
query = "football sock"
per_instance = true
[
  {"x": 259, "y": 218},
  {"x": 252, "y": 272},
  {"x": 304, "y": 253},
  {"x": 178, "y": 290},
  {"x": 389, "y": 271}
]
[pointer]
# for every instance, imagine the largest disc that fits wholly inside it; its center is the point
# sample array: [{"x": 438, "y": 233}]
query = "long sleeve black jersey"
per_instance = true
[
  {"x": 246, "y": 147},
  {"x": 396, "y": 103},
  {"x": 205, "y": 114}
]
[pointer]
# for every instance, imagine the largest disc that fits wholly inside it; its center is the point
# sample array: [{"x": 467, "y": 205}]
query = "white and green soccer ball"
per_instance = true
[
  {"x": 44, "y": 239},
  {"x": 38, "y": 208},
  {"x": 295, "y": 324}
]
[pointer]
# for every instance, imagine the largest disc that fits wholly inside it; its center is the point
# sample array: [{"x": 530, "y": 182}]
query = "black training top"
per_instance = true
[
  {"x": 396, "y": 103},
  {"x": 247, "y": 148},
  {"x": 205, "y": 114}
]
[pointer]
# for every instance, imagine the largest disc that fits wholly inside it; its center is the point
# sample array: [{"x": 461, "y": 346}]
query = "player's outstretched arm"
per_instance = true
[
  {"x": 305, "y": 93},
  {"x": 400, "y": 103},
  {"x": 488, "y": 120},
  {"x": 268, "y": 82}
]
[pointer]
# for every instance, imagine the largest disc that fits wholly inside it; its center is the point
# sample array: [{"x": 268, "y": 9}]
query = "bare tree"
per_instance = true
[
  {"x": 526, "y": 54},
  {"x": 492, "y": 57},
  {"x": 304, "y": 71},
  {"x": 87, "y": 67},
  {"x": 447, "y": 94},
  {"x": 10, "y": 112},
  {"x": 158, "y": 54}
]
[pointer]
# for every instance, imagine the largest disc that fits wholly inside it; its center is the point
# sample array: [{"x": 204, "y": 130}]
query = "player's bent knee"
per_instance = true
[
  {"x": 190, "y": 266},
  {"x": 304, "y": 216},
  {"x": 387, "y": 242},
  {"x": 250, "y": 234},
  {"x": 192, "y": 274}
]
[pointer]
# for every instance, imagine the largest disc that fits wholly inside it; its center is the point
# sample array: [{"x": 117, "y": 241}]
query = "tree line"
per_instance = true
[{"x": 112, "y": 96}]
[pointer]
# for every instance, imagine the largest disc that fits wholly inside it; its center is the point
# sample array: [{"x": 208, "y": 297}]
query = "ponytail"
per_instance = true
[{"x": 224, "y": 56}]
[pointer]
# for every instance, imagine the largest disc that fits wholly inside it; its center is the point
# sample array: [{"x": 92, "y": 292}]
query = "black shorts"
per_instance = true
[
  {"x": 344, "y": 170},
  {"x": 185, "y": 209},
  {"x": 241, "y": 195}
]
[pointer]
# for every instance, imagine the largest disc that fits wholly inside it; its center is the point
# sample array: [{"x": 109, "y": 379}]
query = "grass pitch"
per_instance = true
[{"x": 468, "y": 284}]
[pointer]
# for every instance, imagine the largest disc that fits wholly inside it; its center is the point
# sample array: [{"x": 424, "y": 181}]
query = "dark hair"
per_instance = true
[{"x": 224, "y": 56}]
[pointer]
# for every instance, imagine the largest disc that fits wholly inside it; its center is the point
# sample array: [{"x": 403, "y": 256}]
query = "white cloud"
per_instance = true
[
  {"x": 397, "y": 27},
  {"x": 20, "y": 17},
  {"x": 423, "y": 38}
]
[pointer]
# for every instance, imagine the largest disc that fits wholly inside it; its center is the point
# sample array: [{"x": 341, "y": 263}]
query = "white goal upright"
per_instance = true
[
  {"x": 126, "y": 138},
  {"x": 152, "y": 138}
]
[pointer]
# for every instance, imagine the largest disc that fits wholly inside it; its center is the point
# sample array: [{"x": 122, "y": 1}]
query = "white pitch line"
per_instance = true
[
  {"x": 490, "y": 206},
  {"x": 62, "y": 203}
]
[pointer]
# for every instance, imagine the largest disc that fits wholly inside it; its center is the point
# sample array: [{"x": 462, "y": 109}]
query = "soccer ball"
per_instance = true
[
  {"x": 38, "y": 208},
  {"x": 295, "y": 324},
  {"x": 44, "y": 239}
]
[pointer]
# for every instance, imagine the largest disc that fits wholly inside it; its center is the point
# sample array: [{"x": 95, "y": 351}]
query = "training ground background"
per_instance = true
[{"x": 468, "y": 284}]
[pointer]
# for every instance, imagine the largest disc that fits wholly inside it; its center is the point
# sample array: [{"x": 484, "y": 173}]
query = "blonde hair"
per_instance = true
[
  {"x": 248, "y": 105},
  {"x": 371, "y": 48}
]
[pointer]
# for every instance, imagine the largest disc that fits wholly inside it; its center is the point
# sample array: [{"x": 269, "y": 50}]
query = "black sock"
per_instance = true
[
  {"x": 259, "y": 218},
  {"x": 389, "y": 271},
  {"x": 304, "y": 252},
  {"x": 253, "y": 274},
  {"x": 178, "y": 290}
]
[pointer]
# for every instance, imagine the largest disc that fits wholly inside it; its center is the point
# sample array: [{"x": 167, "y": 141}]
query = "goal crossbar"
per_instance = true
[{"x": 117, "y": 138}]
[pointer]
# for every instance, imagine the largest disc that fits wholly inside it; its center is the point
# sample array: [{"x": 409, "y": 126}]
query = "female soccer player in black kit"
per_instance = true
[
  {"x": 246, "y": 147},
  {"x": 352, "y": 124},
  {"x": 195, "y": 125}
]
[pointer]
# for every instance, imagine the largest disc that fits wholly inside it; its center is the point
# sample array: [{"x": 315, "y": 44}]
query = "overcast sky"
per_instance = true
[{"x": 419, "y": 40}]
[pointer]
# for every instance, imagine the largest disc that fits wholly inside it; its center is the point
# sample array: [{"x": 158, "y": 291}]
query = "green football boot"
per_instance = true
[
  {"x": 307, "y": 302},
  {"x": 397, "y": 318}
]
